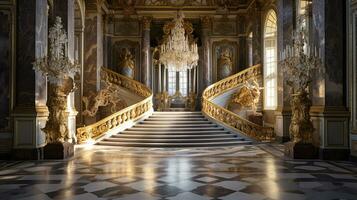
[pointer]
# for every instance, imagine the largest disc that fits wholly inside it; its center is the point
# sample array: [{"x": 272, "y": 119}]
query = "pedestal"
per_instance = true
[
  {"x": 300, "y": 151},
  {"x": 58, "y": 150}
]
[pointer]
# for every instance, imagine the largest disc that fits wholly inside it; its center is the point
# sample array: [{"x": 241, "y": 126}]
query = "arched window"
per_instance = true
[{"x": 270, "y": 61}]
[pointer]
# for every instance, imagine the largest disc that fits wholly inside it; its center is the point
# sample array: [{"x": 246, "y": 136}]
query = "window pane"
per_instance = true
[
  {"x": 172, "y": 82},
  {"x": 270, "y": 60},
  {"x": 183, "y": 83}
]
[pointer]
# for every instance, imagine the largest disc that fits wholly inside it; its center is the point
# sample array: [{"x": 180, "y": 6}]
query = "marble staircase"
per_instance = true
[{"x": 175, "y": 129}]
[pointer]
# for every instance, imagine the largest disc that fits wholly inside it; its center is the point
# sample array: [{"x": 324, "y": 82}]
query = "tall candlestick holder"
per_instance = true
[
  {"x": 60, "y": 71},
  {"x": 300, "y": 62}
]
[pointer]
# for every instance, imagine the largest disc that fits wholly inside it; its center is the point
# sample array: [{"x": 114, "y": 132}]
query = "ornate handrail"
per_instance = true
[
  {"x": 229, "y": 118},
  {"x": 133, "y": 112}
]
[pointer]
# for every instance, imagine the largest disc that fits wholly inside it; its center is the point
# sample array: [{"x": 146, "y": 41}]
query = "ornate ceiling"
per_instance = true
[{"x": 122, "y": 4}]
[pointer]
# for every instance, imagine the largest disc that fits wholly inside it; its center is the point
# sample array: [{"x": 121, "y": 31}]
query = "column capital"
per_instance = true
[
  {"x": 206, "y": 21},
  {"x": 146, "y": 20}
]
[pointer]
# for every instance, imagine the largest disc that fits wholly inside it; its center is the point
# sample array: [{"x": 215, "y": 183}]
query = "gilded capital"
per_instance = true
[
  {"x": 146, "y": 23},
  {"x": 206, "y": 21}
]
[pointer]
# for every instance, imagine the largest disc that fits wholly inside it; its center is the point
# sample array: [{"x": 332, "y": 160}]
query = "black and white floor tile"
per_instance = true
[{"x": 226, "y": 173}]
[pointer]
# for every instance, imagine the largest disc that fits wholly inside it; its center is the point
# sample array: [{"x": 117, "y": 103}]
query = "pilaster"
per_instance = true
[
  {"x": 330, "y": 114},
  {"x": 206, "y": 54},
  {"x": 30, "y": 112},
  {"x": 146, "y": 72},
  {"x": 286, "y": 20}
]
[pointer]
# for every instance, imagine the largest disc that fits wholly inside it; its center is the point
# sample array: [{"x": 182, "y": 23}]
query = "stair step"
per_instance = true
[
  {"x": 175, "y": 122},
  {"x": 172, "y": 136},
  {"x": 172, "y": 112},
  {"x": 176, "y": 119},
  {"x": 177, "y": 116},
  {"x": 174, "y": 129},
  {"x": 162, "y": 144},
  {"x": 185, "y": 140},
  {"x": 128, "y": 132},
  {"x": 175, "y": 125}
]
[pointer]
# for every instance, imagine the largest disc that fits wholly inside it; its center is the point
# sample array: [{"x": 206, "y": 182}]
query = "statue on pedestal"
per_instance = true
[
  {"x": 126, "y": 64},
  {"x": 225, "y": 64}
]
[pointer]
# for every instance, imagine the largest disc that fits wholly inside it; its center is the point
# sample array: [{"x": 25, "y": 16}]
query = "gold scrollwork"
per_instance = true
[
  {"x": 229, "y": 118},
  {"x": 98, "y": 129}
]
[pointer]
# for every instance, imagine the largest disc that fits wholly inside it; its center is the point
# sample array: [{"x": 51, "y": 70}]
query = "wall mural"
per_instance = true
[
  {"x": 126, "y": 58},
  {"x": 224, "y": 59},
  {"x": 5, "y": 65}
]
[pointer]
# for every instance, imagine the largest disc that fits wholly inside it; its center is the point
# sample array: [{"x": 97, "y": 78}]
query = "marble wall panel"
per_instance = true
[
  {"x": 126, "y": 28},
  {"x": 25, "y": 92},
  {"x": 335, "y": 54},
  {"x": 90, "y": 55},
  {"x": 5, "y": 65},
  {"x": 224, "y": 27},
  {"x": 257, "y": 41},
  {"x": 329, "y": 35}
]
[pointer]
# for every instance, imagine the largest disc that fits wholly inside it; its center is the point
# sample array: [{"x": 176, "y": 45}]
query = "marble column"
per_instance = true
[
  {"x": 30, "y": 112},
  {"x": 242, "y": 54},
  {"x": 159, "y": 79},
  {"x": 93, "y": 54},
  {"x": 257, "y": 35},
  {"x": 206, "y": 58},
  {"x": 352, "y": 75},
  {"x": 286, "y": 19},
  {"x": 145, "y": 54},
  {"x": 329, "y": 111}
]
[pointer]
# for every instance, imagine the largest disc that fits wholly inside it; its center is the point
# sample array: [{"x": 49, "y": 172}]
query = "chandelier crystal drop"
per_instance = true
[{"x": 177, "y": 52}]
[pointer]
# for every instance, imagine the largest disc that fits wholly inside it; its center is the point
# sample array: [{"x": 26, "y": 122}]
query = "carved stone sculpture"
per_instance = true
[
  {"x": 247, "y": 97},
  {"x": 191, "y": 101},
  {"x": 163, "y": 101},
  {"x": 301, "y": 127},
  {"x": 60, "y": 71},
  {"x": 126, "y": 64},
  {"x": 225, "y": 64},
  {"x": 107, "y": 96}
]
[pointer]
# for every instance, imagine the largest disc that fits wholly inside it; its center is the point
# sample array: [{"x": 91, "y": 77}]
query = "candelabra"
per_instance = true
[
  {"x": 59, "y": 69},
  {"x": 299, "y": 63}
]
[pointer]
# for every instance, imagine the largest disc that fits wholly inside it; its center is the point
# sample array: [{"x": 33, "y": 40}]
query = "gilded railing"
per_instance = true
[
  {"x": 229, "y": 118},
  {"x": 133, "y": 112}
]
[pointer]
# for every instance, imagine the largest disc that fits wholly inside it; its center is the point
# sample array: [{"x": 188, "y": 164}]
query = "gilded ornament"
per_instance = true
[
  {"x": 106, "y": 96},
  {"x": 299, "y": 63},
  {"x": 60, "y": 71},
  {"x": 231, "y": 119},
  {"x": 98, "y": 129}
]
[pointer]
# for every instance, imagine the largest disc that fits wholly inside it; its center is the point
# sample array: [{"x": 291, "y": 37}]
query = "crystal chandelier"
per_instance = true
[{"x": 177, "y": 53}]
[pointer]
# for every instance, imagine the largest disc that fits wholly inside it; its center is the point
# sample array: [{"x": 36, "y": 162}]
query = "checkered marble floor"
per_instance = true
[{"x": 225, "y": 173}]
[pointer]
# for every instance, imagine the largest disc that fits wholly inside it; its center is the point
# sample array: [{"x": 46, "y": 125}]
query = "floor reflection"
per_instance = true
[{"x": 227, "y": 173}]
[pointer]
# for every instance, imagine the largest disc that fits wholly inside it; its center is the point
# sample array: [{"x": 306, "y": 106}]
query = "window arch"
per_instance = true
[{"x": 270, "y": 61}]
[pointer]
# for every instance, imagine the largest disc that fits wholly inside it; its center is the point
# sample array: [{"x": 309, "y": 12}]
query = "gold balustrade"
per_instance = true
[
  {"x": 229, "y": 118},
  {"x": 133, "y": 112}
]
